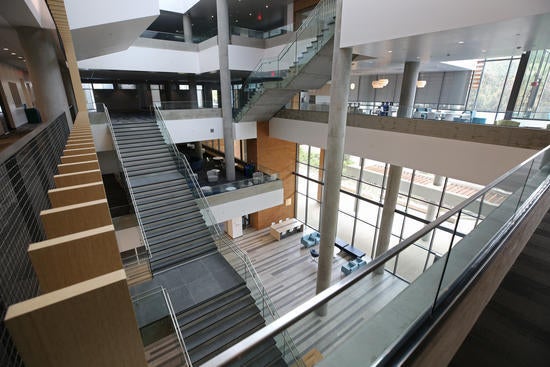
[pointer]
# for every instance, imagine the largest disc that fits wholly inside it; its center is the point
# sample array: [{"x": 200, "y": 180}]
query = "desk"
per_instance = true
[{"x": 286, "y": 227}]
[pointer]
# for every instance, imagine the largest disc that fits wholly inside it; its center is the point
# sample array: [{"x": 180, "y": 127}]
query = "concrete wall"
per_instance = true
[{"x": 465, "y": 160}]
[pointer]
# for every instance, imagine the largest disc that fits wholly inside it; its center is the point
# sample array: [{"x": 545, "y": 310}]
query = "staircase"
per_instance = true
[
  {"x": 172, "y": 222},
  {"x": 213, "y": 306},
  {"x": 303, "y": 64},
  {"x": 218, "y": 323}
]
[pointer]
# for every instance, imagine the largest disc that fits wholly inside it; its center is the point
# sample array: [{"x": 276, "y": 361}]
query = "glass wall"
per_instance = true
[{"x": 422, "y": 198}]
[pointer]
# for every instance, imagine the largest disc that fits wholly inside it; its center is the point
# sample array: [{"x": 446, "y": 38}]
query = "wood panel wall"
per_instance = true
[
  {"x": 85, "y": 316},
  {"x": 88, "y": 324},
  {"x": 76, "y": 257},
  {"x": 275, "y": 155}
]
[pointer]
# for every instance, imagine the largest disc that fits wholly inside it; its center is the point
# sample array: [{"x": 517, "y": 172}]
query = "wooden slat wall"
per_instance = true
[{"x": 87, "y": 318}]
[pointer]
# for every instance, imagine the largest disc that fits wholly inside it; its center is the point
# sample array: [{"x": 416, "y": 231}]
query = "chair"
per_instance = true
[
  {"x": 314, "y": 254},
  {"x": 307, "y": 241}
]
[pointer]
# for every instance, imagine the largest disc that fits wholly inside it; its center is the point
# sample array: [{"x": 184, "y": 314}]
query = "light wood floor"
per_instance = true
[{"x": 289, "y": 276}]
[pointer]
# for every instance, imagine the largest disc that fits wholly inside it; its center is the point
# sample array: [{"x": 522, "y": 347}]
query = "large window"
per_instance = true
[{"x": 422, "y": 198}]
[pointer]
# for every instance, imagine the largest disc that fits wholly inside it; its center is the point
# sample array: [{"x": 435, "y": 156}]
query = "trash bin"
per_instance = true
[
  {"x": 249, "y": 170},
  {"x": 33, "y": 116}
]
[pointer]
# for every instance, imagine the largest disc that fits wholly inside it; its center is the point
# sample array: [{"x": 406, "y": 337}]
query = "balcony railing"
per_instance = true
[{"x": 435, "y": 287}]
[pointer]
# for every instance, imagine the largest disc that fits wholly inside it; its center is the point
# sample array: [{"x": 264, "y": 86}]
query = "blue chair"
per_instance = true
[
  {"x": 307, "y": 241},
  {"x": 349, "y": 267}
]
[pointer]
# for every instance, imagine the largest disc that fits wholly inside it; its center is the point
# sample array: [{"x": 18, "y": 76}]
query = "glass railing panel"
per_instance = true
[
  {"x": 461, "y": 240},
  {"x": 165, "y": 36}
]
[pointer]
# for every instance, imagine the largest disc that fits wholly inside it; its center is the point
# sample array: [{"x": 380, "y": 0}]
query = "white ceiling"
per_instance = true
[{"x": 505, "y": 38}]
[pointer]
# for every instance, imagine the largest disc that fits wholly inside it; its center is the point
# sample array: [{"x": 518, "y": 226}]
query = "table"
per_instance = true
[{"x": 286, "y": 227}]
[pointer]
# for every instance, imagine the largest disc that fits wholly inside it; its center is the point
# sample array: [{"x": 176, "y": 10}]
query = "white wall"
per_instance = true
[
  {"x": 468, "y": 161},
  {"x": 178, "y": 61},
  {"x": 190, "y": 130},
  {"x": 102, "y": 137},
  {"x": 177, "y": 6},
  {"x": 83, "y": 14},
  {"x": 237, "y": 208},
  {"x": 363, "y": 23}
]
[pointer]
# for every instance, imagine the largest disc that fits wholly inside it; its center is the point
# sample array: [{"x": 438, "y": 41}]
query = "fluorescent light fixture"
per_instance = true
[
  {"x": 352, "y": 86},
  {"x": 420, "y": 83}
]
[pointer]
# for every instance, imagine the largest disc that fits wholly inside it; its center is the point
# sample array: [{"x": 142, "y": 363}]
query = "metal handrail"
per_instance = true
[
  {"x": 177, "y": 330},
  {"x": 292, "y": 317},
  {"x": 219, "y": 235},
  {"x": 127, "y": 178}
]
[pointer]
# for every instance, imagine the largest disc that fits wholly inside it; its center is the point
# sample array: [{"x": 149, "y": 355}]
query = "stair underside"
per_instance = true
[{"x": 313, "y": 75}]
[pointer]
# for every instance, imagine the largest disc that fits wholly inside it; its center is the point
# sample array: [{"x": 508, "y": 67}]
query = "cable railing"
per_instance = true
[
  {"x": 128, "y": 185},
  {"x": 148, "y": 312},
  {"x": 231, "y": 252},
  {"x": 278, "y": 72},
  {"x": 443, "y": 280}
]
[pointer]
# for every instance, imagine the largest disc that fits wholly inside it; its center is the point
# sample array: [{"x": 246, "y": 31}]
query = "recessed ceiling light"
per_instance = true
[
  {"x": 418, "y": 57},
  {"x": 236, "y": 21},
  {"x": 267, "y": 6},
  {"x": 20, "y": 57},
  {"x": 390, "y": 51},
  {"x": 250, "y": 14},
  {"x": 483, "y": 51},
  {"x": 211, "y": 16},
  {"x": 460, "y": 42},
  {"x": 6, "y": 49}
]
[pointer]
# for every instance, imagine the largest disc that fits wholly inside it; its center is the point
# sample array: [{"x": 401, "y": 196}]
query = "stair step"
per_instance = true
[
  {"x": 163, "y": 237},
  {"x": 226, "y": 311},
  {"x": 149, "y": 157},
  {"x": 176, "y": 258},
  {"x": 139, "y": 184},
  {"x": 249, "y": 358},
  {"x": 163, "y": 206},
  {"x": 143, "y": 150},
  {"x": 226, "y": 339},
  {"x": 191, "y": 225},
  {"x": 134, "y": 172},
  {"x": 160, "y": 250},
  {"x": 133, "y": 156},
  {"x": 160, "y": 187},
  {"x": 137, "y": 143},
  {"x": 169, "y": 217},
  {"x": 176, "y": 194},
  {"x": 140, "y": 135},
  {"x": 269, "y": 357},
  {"x": 148, "y": 160}
]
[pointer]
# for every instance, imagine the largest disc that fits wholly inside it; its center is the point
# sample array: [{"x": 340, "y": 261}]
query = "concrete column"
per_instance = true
[
  {"x": 406, "y": 102},
  {"x": 390, "y": 202},
  {"x": 187, "y": 31},
  {"x": 40, "y": 52},
  {"x": 408, "y": 89},
  {"x": 432, "y": 209},
  {"x": 193, "y": 93},
  {"x": 339, "y": 92},
  {"x": 198, "y": 149},
  {"x": 225, "y": 88}
]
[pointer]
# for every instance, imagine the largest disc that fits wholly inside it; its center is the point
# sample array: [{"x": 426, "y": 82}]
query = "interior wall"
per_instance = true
[
  {"x": 118, "y": 100},
  {"x": 15, "y": 114},
  {"x": 277, "y": 156}
]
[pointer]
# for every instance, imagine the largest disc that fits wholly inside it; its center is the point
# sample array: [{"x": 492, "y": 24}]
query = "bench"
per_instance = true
[
  {"x": 347, "y": 248},
  {"x": 285, "y": 228}
]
